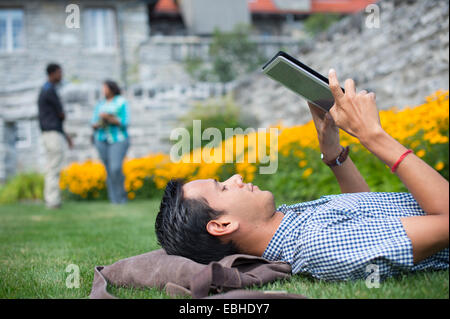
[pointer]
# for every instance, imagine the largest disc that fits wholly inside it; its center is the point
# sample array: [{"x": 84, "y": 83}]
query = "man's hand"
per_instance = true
[
  {"x": 347, "y": 175},
  {"x": 69, "y": 141},
  {"x": 327, "y": 132},
  {"x": 356, "y": 114}
]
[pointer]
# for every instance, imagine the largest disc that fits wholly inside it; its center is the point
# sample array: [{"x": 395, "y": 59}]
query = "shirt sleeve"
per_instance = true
[
  {"x": 95, "y": 117},
  {"x": 124, "y": 114},
  {"x": 53, "y": 99}
]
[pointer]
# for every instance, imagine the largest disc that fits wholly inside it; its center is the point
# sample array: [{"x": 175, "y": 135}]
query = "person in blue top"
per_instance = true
[
  {"x": 358, "y": 234},
  {"x": 110, "y": 122}
]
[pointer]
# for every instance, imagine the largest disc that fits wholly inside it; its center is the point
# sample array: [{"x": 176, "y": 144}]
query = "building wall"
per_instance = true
[
  {"x": 47, "y": 39},
  {"x": 158, "y": 89},
  {"x": 203, "y": 16},
  {"x": 402, "y": 61},
  {"x": 412, "y": 40}
]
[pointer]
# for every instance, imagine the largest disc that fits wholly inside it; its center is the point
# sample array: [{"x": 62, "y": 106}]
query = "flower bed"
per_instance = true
[{"x": 300, "y": 174}]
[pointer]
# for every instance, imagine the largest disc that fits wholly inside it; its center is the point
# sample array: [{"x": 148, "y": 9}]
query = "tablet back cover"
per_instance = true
[{"x": 300, "y": 82}]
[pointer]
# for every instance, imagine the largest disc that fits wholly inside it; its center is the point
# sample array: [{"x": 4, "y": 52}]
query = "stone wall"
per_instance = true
[
  {"x": 154, "y": 111},
  {"x": 159, "y": 92},
  {"x": 403, "y": 61},
  {"x": 47, "y": 39},
  {"x": 161, "y": 58}
]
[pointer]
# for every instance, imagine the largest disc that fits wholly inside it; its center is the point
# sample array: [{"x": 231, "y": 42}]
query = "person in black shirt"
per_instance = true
[{"x": 51, "y": 118}]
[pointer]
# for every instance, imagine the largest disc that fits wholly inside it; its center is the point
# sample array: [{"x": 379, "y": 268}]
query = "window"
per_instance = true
[
  {"x": 23, "y": 134},
  {"x": 11, "y": 30},
  {"x": 100, "y": 29}
]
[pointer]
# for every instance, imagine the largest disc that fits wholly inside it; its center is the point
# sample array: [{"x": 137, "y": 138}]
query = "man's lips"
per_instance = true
[{"x": 253, "y": 187}]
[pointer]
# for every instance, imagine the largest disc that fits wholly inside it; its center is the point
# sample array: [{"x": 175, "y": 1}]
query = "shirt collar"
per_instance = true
[
  {"x": 291, "y": 220},
  {"x": 274, "y": 249}
]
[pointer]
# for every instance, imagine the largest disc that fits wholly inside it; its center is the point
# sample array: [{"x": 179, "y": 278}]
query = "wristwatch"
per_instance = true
[{"x": 338, "y": 160}]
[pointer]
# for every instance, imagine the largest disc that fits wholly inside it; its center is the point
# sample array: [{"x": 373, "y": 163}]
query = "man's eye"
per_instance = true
[{"x": 224, "y": 188}]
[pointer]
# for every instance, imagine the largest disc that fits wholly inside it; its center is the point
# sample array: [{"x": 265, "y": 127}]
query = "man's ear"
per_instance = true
[{"x": 222, "y": 226}]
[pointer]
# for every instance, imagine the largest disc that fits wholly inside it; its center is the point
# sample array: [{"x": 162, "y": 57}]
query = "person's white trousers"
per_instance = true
[{"x": 54, "y": 149}]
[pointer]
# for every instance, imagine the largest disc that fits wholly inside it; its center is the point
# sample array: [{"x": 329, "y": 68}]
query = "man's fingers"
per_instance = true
[
  {"x": 363, "y": 92},
  {"x": 350, "y": 87},
  {"x": 335, "y": 87}
]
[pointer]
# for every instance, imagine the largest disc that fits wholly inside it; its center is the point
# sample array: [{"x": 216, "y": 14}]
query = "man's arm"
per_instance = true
[
  {"x": 54, "y": 100},
  {"x": 357, "y": 114},
  {"x": 429, "y": 234},
  {"x": 348, "y": 176}
]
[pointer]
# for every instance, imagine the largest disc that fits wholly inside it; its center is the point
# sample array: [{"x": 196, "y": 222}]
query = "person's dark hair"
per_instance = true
[
  {"x": 113, "y": 87},
  {"x": 52, "y": 67},
  {"x": 181, "y": 227}
]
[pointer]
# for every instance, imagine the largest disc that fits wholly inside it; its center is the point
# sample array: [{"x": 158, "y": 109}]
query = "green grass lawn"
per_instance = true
[{"x": 37, "y": 244}]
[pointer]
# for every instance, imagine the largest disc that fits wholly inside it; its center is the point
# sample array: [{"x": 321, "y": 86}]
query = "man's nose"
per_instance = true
[{"x": 238, "y": 180}]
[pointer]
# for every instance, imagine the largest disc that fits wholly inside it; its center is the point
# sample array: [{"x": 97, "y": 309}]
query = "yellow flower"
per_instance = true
[
  {"x": 429, "y": 119},
  {"x": 303, "y": 163},
  {"x": 307, "y": 172},
  {"x": 421, "y": 153},
  {"x": 444, "y": 139},
  {"x": 138, "y": 184},
  {"x": 415, "y": 144},
  {"x": 440, "y": 165},
  {"x": 299, "y": 153}
]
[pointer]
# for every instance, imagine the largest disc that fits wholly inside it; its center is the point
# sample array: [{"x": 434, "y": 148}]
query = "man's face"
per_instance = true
[
  {"x": 243, "y": 201},
  {"x": 56, "y": 76}
]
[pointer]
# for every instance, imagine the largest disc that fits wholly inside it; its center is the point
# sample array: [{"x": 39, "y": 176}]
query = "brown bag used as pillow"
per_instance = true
[{"x": 181, "y": 276}]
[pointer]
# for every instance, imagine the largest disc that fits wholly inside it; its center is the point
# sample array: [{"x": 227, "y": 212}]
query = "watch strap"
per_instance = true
[{"x": 340, "y": 159}]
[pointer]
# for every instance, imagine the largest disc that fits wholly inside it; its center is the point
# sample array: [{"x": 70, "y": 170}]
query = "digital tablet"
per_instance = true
[{"x": 301, "y": 79}]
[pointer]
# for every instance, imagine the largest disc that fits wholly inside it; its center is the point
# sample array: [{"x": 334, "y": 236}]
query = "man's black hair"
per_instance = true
[
  {"x": 181, "y": 227},
  {"x": 113, "y": 87},
  {"x": 52, "y": 67}
]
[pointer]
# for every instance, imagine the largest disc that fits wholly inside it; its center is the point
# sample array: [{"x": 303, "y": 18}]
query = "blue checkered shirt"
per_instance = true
[{"x": 340, "y": 237}]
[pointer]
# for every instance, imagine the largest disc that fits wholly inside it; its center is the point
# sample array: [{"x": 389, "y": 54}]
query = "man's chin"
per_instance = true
[{"x": 270, "y": 200}]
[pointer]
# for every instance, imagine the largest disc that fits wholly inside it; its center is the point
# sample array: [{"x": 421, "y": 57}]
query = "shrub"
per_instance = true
[
  {"x": 24, "y": 186},
  {"x": 320, "y": 22},
  {"x": 220, "y": 113},
  {"x": 231, "y": 54}
]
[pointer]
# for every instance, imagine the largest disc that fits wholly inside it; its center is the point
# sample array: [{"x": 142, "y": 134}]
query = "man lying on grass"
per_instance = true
[{"x": 334, "y": 237}]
